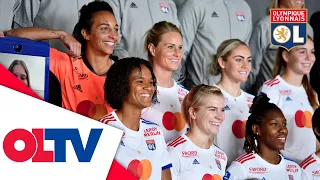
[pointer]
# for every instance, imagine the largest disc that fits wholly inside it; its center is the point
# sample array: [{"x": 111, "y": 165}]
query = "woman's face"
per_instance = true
[
  {"x": 141, "y": 88},
  {"x": 210, "y": 115},
  {"x": 104, "y": 33},
  {"x": 168, "y": 53},
  {"x": 272, "y": 132},
  {"x": 238, "y": 65},
  {"x": 19, "y": 71},
  {"x": 294, "y": 4},
  {"x": 301, "y": 59}
]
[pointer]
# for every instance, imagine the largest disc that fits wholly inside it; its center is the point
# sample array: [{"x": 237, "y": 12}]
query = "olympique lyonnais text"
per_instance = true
[
  {"x": 289, "y": 15},
  {"x": 34, "y": 145}
]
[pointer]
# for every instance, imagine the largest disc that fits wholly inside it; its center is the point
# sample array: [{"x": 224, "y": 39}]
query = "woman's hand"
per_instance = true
[{"x": 72, "y": 44}]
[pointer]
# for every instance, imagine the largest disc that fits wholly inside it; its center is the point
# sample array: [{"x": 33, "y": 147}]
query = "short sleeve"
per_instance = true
[
  {"x": 165, "y": 158},
  {"x": 235, "y": 172},
  {"x": 60, "y": 63},
  {"x": 175, "y": 162}
]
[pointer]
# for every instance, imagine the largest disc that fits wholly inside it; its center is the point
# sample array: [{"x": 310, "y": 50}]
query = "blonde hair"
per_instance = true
[
  {"x": 224, "y": 51},
  {"x": 280, "y": 63},
  {"x": 154, "y": 35},
  {"x": 196, "y": 97}
]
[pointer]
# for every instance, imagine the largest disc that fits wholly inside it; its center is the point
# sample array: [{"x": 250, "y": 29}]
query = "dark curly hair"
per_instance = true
[
  {"x": 86, "y": 19},
  {"x": 316, "y": 122},
  {"x": 259, "y": 109},
  {"x": 116, "y": 86}
]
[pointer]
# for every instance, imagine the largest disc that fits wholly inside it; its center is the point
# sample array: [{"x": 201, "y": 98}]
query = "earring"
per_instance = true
[{"x": 256, "y": 141}]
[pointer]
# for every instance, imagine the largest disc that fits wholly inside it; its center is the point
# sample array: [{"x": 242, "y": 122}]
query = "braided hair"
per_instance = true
[{"x": 259, "y": 109}]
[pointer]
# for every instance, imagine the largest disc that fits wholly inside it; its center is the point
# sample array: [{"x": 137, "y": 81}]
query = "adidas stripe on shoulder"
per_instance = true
[
  {"x": 180, "y": 85},
  {"x": 272, "y": 82},
  {"x": 178, "y": 141},
  {"x": 307, "y": 162},
  {"x": 107, "y": 118},
  {"x": 245, "y": 158}
]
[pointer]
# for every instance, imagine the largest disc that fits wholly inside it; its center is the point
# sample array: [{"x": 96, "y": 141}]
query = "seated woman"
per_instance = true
[
  {"x": 82, "y": 78},
  {"x": 311, "y": 165},
  {"x": 266, "y": 134},
  {"x": 233, "y": 62},
  {"x": 291, "y": 91},
  {"x": 129, "y": 88},
  {"x": 164, "y": 45},
  {"x": 193, "y": 155}
]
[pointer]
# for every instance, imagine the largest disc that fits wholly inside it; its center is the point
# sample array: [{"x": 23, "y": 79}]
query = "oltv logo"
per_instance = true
[{"x": 34, "y": 144}]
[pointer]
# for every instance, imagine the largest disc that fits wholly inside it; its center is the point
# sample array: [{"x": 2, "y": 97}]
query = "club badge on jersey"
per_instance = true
[
  {"x": 288, "y": 27},
  {"x": 164, "y": 8},
  {"x": 151, "y": 145},
  {"x": 240, "y": 16}
]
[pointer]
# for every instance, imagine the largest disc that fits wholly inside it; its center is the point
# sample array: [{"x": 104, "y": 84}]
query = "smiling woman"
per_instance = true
[
  {"x": 291, "y": 91},
  {"x": 82, "y": 72},
  {"x": 266, "y": 135},
  {"x": 203, "y": 108},
  {"x": 129, "y": 88},
  {"x": 164, "y": 46}
]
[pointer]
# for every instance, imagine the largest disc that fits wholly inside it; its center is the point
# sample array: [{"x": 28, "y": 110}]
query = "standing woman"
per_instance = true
[
  {"x": 233, "y": 61},
  {"x": 263, "y": 52},
  {"x": 193, "y": 155},
  {"x": 293, "y": 94},
  {"x": 82, "y": 78},
  {"x": 129, "y": 88},
  {"x": 164, "y": 46},
  {"x": 266, "y": 134}
]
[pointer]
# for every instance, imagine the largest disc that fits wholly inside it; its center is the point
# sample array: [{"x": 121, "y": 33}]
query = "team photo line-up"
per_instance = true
[{"x": 196, "y": 98}]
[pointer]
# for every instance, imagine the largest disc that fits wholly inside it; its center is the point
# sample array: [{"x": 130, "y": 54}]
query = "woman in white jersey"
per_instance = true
[
  {"x": 291, "y": 92},
  {"x": 311, "y": 165},
  {"x": 164, "y": 46},
  {"x": 266, "y": 134},
  {"x": 193, "y": 155},
  {"x": 233, "y": 61},
  {"x": 129, "y": 88}
]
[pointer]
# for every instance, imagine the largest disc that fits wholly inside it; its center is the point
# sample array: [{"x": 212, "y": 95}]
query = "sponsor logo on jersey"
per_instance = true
[
  {"x": 182, "y": 92},
  {"x": 249, "y": 99},
  {"x": 316, "y": 172},
  {"x": 257, "y": 170},
  {"x": 151, "y": 145},
  {"x": 218, "y": 164},
  {"x": 189, "y": 154},
  {"x": 292, "y": 168},
  {"x": 288, "y": 99},
  {"x": 285, "y": 92},
  {"x": 220, "y": 155},
  {"x": 227, "y": 108},
  {"x": 151, "y": 132},
  {"x": 195, "y": 161}
]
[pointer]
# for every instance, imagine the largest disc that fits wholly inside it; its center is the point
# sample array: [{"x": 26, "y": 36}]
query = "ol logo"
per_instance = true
[{"x": 288, "y": 27}]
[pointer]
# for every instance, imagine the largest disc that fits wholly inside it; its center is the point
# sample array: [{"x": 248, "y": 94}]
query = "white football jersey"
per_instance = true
[
  {"x": 311, "y": 167},
  {"x": 252, "y": 166},
  {"x": 294, "y": 103},
  {"x": 191, "y": 162},
  {"x": 167, "y": 111},
  {"x": 233, "y": 129},
  {"x": 144, "y": 152}
]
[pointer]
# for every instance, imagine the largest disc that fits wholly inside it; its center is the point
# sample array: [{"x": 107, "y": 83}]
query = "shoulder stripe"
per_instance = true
[
  {"x": 182, "y": 87},
  {"x": 275, "y": 83},
  {"x": 307, "y": 162},
  {"x": 245, "y": 158},
  {"x": 174, "y": 141},
  {"x": 178, "y": 141},
  {"x": 288, "y": 159},
  {"x": 107, "y": 119},
  {"x": 218, "y": 147},
  {"x": 270, "y": 81}
]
